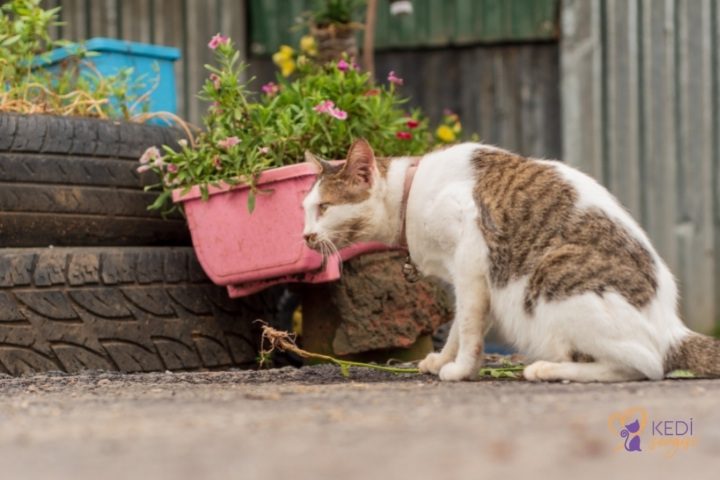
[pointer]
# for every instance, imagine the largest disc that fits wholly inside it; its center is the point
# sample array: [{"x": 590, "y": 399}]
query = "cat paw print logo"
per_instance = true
[{"x": 629, "y": 426}]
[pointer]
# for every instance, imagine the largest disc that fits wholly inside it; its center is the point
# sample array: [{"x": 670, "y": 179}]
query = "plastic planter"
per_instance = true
[
  {"x": 152, "y": 62},
  {"x": 248, "y": 252}
]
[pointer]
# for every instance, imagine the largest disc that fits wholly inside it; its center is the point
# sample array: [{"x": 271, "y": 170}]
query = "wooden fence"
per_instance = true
[{"x": 641, "y": 104}]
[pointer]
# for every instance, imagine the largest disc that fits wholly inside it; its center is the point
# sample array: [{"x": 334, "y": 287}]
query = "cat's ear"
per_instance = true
[
  {"x": 323, "y": 166},
  {"x": 360, "y": 165}
]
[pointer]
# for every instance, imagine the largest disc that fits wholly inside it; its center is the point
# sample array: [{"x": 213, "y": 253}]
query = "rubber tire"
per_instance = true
[
  {"x": 68, "y": 181},
  {"x": 123, "y": 308}
]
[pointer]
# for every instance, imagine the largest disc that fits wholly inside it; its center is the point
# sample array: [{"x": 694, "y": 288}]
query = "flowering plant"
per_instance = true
[
  {"x": 323, "y": 109},
  {"x": 450, "y": 129}
]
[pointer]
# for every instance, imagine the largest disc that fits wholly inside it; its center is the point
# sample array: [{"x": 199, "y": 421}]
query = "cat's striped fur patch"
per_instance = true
[{"x": 529, "y": 219}]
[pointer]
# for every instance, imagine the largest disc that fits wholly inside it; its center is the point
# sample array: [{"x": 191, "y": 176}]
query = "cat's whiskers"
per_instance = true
[{"x": 328, "y": 249}]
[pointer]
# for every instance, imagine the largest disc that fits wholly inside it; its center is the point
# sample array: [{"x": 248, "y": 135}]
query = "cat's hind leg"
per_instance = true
[
  {"x": 436, "y": 360},
  {"x": 620, "y": 339},
  {"x": 580, "y": 372}
]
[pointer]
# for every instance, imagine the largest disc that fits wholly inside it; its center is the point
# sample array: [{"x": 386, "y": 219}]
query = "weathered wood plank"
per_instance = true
[
  {"x": 103, "y": 19},
  {"x": 539, "y": 99},
  {"x": 169, "y": 31},
  {"x": 659, "y": 184},
  {"x": 73, "y": 14},
  {"x": 695, "y": 221},
  {"x": 232, "y": 23},
  {"x": 622, "y": 103},
  {"x": 201, "y": 27},
  {"x": 581, "y": 80},
  {"x": 715, "y": 32},
  {"x": 136, "y": 20}
]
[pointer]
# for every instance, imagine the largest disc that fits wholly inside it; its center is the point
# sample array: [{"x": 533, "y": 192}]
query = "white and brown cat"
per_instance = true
[{"x": 535, "y": 246}]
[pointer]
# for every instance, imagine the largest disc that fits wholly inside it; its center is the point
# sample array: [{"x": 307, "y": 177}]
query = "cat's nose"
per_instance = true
[{"x": 310, "y": 238}]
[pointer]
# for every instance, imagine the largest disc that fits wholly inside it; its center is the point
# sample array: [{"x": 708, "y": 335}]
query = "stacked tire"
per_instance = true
[{"x": 89, "y": 278}]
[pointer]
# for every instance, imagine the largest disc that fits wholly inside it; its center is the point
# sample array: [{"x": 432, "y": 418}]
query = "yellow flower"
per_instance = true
[
  {"x": 283, "y": 55},
  {"x": 308, "y": 45},
  {"x": 302, "y": 60},
  {"x": 457, "y": 127},
  {"x": 283, "y": 58},
  {"x": 445, "y": 134},
  {"x": 287, "y": 68}
]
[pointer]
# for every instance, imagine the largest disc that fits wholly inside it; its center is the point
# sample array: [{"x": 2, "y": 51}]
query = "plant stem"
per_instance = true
[{"x": 286, "y": 342}]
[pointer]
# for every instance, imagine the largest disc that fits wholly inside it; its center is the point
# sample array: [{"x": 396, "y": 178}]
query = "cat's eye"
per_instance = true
[{"x": 322, "y": 208}]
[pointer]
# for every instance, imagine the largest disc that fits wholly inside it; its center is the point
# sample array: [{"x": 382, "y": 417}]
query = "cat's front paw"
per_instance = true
[
  {"x": 433, "y": 363},
  {"x": 455, "y": 372},
  {"x": 539, "y": 371}
]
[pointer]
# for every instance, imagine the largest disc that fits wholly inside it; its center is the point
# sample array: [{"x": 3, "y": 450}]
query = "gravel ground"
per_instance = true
[{"x": 313, "y": 423}]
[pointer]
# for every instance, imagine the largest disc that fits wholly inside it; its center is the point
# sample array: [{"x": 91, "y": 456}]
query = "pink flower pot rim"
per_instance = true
[{"x": 267, "y": 176}]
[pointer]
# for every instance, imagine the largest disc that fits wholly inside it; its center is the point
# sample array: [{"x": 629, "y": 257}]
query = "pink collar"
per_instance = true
[{"x": 409, "y": 175}]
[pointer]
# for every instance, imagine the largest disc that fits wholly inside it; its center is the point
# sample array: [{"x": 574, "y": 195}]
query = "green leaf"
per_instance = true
[
  {"x": 680, "y": 374},
  {"x": 160, "y": 201},
  {"x": 251, "y": 202},
  {"x": 11, "y": 40},
  {"x": 510, "y": 371}
]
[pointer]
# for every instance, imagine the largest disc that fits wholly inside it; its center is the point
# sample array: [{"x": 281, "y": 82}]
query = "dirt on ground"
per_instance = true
[{"x": 313, "y": 423}]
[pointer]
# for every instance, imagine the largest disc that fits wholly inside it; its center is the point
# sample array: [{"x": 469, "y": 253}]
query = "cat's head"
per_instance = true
[{"x": 345, "y": 205}]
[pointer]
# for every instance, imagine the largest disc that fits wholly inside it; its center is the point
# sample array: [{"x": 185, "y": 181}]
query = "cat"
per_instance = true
[{"x": 535, "y": 246}]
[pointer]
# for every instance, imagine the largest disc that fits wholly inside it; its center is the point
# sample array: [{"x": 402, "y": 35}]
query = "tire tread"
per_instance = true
[{"x": 131, "y": 309}]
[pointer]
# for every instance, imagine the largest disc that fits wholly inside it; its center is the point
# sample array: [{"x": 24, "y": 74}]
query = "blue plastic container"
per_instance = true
[{"x": 146, "y": 60}]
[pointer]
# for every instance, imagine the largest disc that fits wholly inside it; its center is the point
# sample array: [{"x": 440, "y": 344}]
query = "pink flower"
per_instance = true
[
  {"x": 151, "y": 153},
  {"x": 172, "y": 168},
  {"x": 342, "y": 65},
  {"x": 339, "y": 114},
  {"x": 404, "y": 135},
  {"x": 217, "y": 40},
  {"x": 270, "y": 89},
  {"x": 324, "y": 107},
  {"x": 355, "y": 66},
  {"x": 412, "y": 123},
  {"x": 392, "y": 78},
  {"x": 215, "y": 81},
  {"x": 217, "y": 163},
  {"x": 263, "y": 150},
  {"x": 143, "y": 168},
  {"x": 328, "y": 106},
  {"x": 228, "y": 142}
]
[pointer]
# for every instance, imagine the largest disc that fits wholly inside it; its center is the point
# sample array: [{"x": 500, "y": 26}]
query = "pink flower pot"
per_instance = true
[{"x": 248, "y": 252}]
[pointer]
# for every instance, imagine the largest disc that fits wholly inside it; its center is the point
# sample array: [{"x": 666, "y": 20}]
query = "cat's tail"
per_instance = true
[{"x": 697, "y": 353}]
